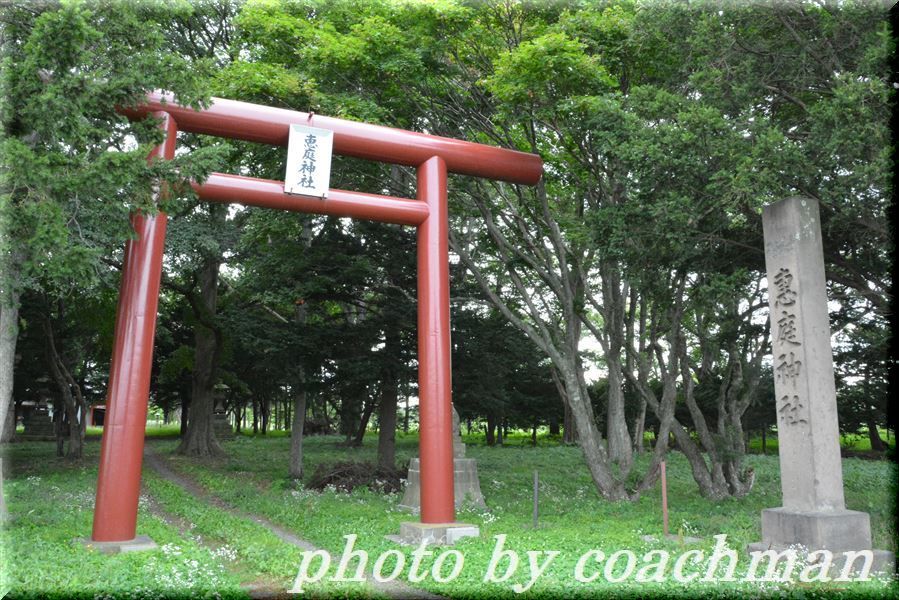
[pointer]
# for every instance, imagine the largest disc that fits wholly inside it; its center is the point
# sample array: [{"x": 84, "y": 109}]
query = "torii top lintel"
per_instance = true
[
  {"x": 121, "y": 454},
  {"x": 269, "y": 125}
]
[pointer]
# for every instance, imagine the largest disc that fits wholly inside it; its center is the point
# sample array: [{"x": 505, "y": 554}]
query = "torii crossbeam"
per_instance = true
[{"x": 121, "y": 454}]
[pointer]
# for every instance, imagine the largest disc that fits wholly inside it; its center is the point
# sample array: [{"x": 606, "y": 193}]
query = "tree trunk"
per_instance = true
[
  {"x": 569, "y": 431},
  {"x": 591, "y": 444},
  {"x": 9, "y": 428},
  {"x": 367, "y": 412},
  {"x": 720, "y": 476},
  {"x": 387, "y": 409},
  {"x": 200, "y": 439},
  {"x": 295, "y": 469},
  {"x": 296, "y": 430},
  {"x": 277, "y": 417},
  {"x": 554, "y": 428},
  {"x": 59, "y": 428},
  {"x": 9, "y": 332},
  {"x": 406, "y": 417},
  {"x": 618, "y": 437},
  {"x": 387, "y": 425},
  {"x": 185, "y": 413},
  {"x": 877, "y": 444},
  {"x": 640, "y": 427},
  {"x": 255, "y": 415},
  {"x": 65, "y": 383},
  {"x": 264, "y": 409},
  {"x": 350, "y": 415},
  {"x": 4, "y": 514},
  {"x": 617, "y": 324},
  {"x": 288, "y": 416},
  {"x": 76, "y": 429},
  {"x": 709, "y": 486},
  {"x": 491, "y": 428},
  {"x": 534, "y": 434}
]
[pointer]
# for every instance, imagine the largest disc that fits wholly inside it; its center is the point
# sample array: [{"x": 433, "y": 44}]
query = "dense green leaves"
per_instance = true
[
  {"x": 664, "y": 127},
  {"x": 72, "y": 168},
  {"x": 539, "y": 72}
]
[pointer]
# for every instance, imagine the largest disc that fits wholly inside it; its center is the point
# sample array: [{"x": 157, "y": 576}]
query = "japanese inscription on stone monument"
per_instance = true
[
  {"x": 308, "y": 161},
  {"x": 787, "y": 369}
]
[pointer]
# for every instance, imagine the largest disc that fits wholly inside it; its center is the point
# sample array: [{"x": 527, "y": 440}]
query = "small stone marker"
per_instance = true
[
  {"x": 813, "y": 513},
  {"x": 466, "y": 485}
]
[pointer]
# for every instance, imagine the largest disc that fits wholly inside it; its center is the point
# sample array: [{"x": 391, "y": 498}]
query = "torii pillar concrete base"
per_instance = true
[
  {"x": 413, "y": 533},
  {"x": 138, "y": 544}
]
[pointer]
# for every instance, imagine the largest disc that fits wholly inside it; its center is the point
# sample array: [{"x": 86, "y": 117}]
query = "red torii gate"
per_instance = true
[{"x": 121, "y": 453}]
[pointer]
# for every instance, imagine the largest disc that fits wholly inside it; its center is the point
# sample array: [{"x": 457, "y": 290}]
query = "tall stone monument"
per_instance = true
[
  {"x": 38, "y": 425},
  {"x": 466, "y": 486},
  {"x": 813, "y": 513},
  {"x": 221, "y": 424}
]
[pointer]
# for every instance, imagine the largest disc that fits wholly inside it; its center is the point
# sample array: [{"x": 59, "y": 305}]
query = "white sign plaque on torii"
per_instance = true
[{"x": 308, "y": 161}]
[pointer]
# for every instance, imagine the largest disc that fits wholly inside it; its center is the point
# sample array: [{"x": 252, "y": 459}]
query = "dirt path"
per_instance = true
[{"x": 161, "y": 466}]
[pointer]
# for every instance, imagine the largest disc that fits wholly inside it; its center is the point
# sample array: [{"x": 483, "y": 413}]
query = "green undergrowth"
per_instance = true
[
  {"x": 259, "y": 555},
  {"x": 205, "y": 552},
  {"x": 849, "y": 442},
  {"x": 214, "y": 551},
  {"x": 50, "y": 503},
  {"x": 573, "y": 519}
]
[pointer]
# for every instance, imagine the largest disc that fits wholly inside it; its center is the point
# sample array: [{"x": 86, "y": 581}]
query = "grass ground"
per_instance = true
[{"x": 207, "y": 551}]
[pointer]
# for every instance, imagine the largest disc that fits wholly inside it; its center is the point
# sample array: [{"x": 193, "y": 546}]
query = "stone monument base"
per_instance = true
[
  {"x": 38, "y": 428},
  {"x": 413, "y": 533},
  {"x": 837, "y": 531},
  {"x": 222, "y": 427},
  {"x": 817, "y": 530},
  {"x": 466, "y": 487}
]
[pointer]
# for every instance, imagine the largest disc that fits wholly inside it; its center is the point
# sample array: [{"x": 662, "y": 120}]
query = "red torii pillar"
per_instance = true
[
  {"x": 122, "y": 447},
  {"x": 121, "y": 454}
]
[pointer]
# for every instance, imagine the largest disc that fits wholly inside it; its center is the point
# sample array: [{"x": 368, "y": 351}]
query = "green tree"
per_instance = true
[
  {"x": 498, "y": 374},
  {"x": 649, "y": 216},
  {"x": 356, "y": 278},
  {"x": 71, "y": 171},
  {"x": 806, "y": 84},
  {"x": 201, "y": 236}
]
